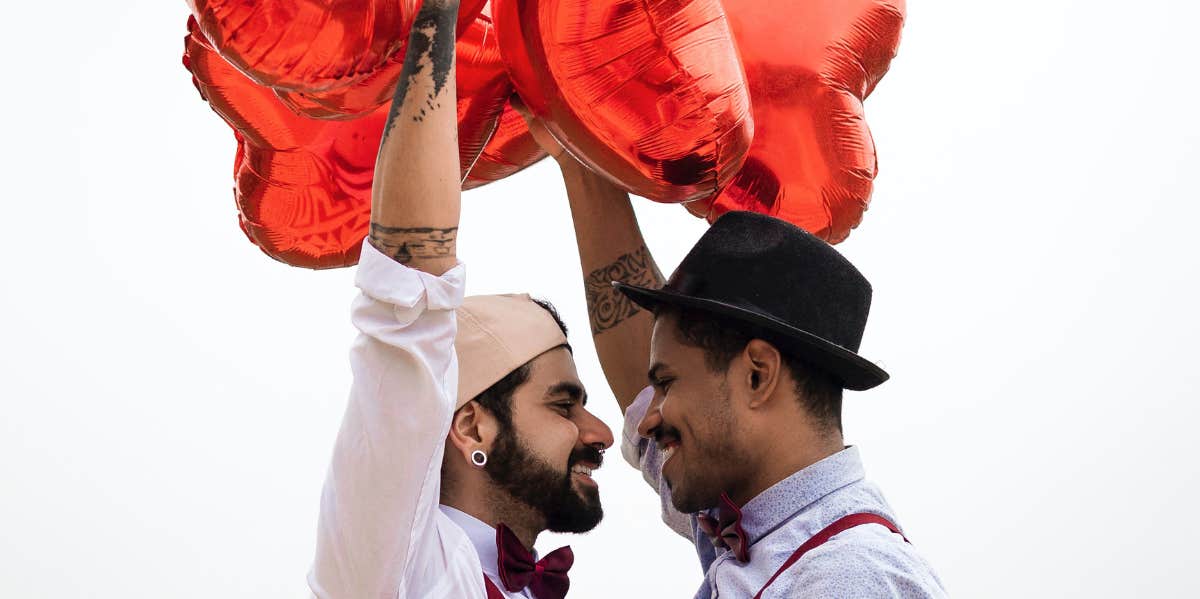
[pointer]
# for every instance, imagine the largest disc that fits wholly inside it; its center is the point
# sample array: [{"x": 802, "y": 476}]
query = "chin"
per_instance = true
[{"x": 688, "y": 502}]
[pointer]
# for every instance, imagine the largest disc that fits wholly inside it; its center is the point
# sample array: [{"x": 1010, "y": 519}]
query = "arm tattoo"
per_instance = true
[
  {"x": 432, "y": 36},
  {"x": 609, "y": 307},
  {"x": 407, "y": 244}
]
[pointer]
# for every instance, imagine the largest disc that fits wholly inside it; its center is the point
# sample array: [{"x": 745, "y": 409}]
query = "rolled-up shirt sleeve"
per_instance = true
[
  {"x": 383, "y": 482},
  {"x": 644, "y": 455}
]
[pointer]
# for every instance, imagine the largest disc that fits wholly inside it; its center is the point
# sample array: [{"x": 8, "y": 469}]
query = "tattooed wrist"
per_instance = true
[
  {"x": 608, "y": 307},
  {"x": 405, "y": 244}
]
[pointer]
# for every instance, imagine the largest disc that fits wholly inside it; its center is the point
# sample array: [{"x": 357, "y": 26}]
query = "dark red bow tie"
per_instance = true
[
  {"x": 546, "y": 579},
  {"x": 725, "y": 530}
]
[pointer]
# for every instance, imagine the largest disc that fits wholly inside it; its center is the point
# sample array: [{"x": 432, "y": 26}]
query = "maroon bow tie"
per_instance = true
[
  {"x": 546, "y": 579},
  {"x": 725, "y": 530}
]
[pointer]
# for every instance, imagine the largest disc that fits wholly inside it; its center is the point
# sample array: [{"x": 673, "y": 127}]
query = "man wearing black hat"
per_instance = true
[{"x": 749, "y": 345}]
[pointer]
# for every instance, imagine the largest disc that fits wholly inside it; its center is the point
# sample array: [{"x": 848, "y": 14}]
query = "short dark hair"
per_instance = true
[
  {"x": 723, "y": 338},
  {"x": 497, "y": 399}
]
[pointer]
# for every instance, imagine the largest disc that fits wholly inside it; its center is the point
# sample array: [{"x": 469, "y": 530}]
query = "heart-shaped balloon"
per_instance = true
[
  {"x": 313, "y": 45},
  {"x": 647, "y": 92},
  {"x": 303, "y": 185},
  {"x": 810, "y": 64},
  {"x": 350, "y": 101},
  {"x": 511, "y": 149}
]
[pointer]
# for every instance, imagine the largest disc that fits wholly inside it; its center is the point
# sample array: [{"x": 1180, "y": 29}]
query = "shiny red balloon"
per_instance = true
[
  {"x": 647, "y": 92},
  {"x": 810, "y": 64},
  {"x": 511, "y": 149},
  {"x": 303, "y": 185},
  {"x": 308, "y": 45},
  {"x": 350, "y": 101},
  {"x": 483, "y": 89},
  {"x": 314, "y": 45},
  {"x": 376, "y": 88}
]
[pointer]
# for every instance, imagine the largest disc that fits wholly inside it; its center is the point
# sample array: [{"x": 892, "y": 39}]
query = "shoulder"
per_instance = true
[{"x": 865, "y": 561}]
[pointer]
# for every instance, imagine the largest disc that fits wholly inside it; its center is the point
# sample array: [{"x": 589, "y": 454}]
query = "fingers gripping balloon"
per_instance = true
[
  {"x": 809, "y": 65},
  {"x": 647, "y": 92}
]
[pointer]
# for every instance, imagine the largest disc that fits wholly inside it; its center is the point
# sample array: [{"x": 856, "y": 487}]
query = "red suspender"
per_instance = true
[
  {"x": 492, "y": 591},
  {"x": 841, "y": 525}
]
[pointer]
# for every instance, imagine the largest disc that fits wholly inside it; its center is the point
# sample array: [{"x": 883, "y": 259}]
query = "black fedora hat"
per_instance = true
[{"x": 773, "y": 275}]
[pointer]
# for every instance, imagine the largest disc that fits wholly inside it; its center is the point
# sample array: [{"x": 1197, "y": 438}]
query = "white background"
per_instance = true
[{"x": 170, "y": 395}]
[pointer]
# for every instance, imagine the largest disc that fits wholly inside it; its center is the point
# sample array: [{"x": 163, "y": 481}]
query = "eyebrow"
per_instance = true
[{"x": 572, "y": 390}]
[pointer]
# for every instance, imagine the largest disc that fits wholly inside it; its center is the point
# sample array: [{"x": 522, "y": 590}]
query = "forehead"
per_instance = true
[
  {"x": 666, "y": 348},
  {"x": 664, "y": 336}
]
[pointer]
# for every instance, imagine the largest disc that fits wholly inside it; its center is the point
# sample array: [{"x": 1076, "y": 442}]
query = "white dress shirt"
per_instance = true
[{"x": 381, "y": 534}]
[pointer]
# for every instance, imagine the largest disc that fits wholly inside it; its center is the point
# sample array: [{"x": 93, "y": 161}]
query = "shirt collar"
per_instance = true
[
  {"x": 792, "y": 495},
  {"x": 482, "y": 536}
]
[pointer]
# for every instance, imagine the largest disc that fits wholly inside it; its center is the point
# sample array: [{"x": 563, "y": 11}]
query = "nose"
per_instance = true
[
  {"x": 653, "y": 418},
  {"x": 593, "y": 431}
]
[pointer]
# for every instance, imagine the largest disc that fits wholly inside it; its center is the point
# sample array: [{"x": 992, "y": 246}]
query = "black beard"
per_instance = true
[{"x": 514, "y": 468}]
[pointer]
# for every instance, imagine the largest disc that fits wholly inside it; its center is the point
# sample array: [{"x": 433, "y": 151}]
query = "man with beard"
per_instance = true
[
  {"x": 749, "y": 344},
  {"x": 466, "y": 434}
]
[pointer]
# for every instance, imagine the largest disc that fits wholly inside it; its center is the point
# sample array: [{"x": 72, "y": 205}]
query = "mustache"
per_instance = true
[
  {"x": 587, "y": 453},
  {"x": 664, "y": 433}
]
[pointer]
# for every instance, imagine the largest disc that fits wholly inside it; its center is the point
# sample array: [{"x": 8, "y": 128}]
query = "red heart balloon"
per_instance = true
[
  {"x": 350, "y": 101},
  {"x": 512, "y": 148},
  {"x": 375, "y": 89},
  {"x": 647, "y": 92},
  {"x": 483, "y": 89},
  {"x": 303, "y": 185},
  {"x": 308, "y": 45},
  {"x": 810, "y": 64},
  {"x": 314, "y": 45}
]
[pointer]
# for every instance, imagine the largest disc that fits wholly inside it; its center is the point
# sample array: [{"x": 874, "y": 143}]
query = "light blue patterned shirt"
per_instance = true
[{"x": 863, "y": 562}]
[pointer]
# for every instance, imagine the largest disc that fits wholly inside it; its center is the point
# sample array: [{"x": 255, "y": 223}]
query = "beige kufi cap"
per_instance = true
[{"x": 496, "y": 335}]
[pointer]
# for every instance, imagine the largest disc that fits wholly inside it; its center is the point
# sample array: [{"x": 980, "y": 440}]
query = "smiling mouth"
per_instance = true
[
  {"x": 668, "y": 450},
  {"x": 583, "y": 472}
]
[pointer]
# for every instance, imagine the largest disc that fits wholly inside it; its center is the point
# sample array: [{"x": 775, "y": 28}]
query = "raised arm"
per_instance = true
[
  {"x": 611, "y": 248},
  {"x": 377, "y": 524},
  {"x": 415, "y": 198}
]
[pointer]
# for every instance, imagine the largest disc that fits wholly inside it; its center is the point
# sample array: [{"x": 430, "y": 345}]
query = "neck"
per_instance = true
[
  {"x": 495, "y": 508},
  {"x": 790, "y": 452}
]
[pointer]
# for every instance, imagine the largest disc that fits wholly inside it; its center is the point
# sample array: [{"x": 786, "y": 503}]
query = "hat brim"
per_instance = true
[{"x": 850, "y": 369}]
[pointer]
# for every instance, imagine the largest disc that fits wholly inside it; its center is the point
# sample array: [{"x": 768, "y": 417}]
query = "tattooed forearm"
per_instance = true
[
  {"x": 609, "y": 307},
  {"x": 430, "y": 54},
  {"x": 407, "y": 244}
]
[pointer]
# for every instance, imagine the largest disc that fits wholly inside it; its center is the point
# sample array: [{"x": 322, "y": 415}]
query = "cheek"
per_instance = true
[{"x": 554, "y": 439}]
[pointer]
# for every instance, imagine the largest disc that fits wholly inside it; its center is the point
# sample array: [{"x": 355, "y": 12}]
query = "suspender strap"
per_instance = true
[
  {"x": 839, "y": 526},
  {"x": 493, "y": 592}
]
